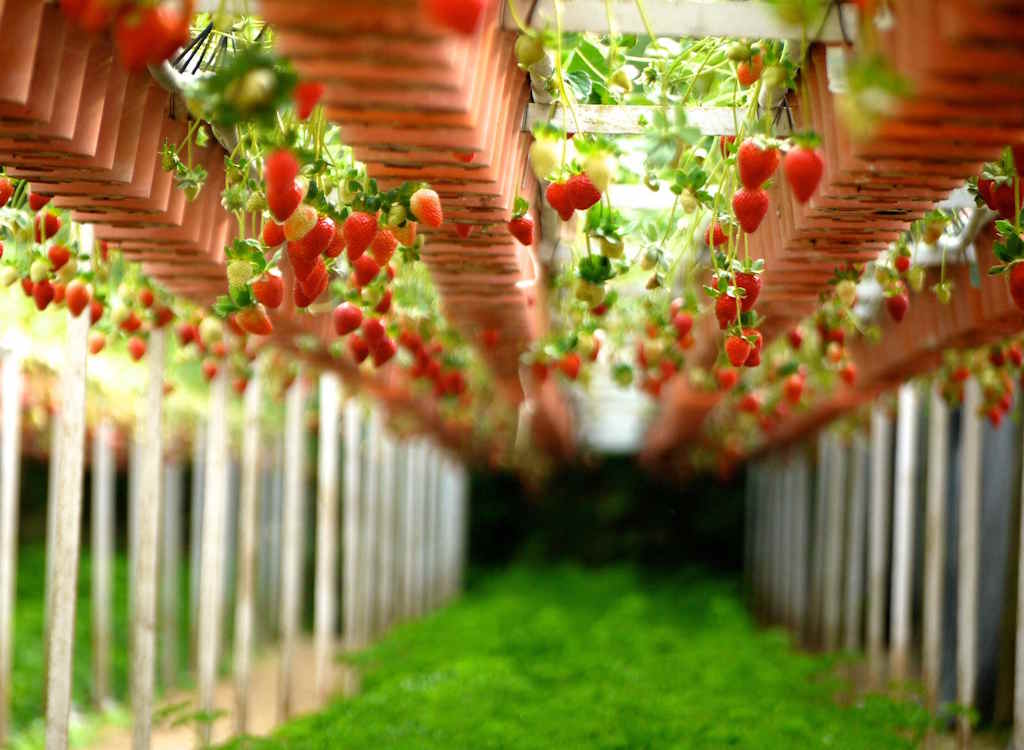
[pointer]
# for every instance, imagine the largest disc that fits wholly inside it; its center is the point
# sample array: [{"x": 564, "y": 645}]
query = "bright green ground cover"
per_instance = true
[{"x": 562, "y": 658}]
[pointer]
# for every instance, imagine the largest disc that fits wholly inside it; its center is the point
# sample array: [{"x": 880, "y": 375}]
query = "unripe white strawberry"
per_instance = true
[
  {"x": 8, "y": 275},
  {"x": 544, "y": 158},
  {"x": 119, "y": 313},
  {"x": 612, "y": 248},
  {"x": 915, "y": 277},
  {"x": 39, "y": 270},
  {"x": 592, "y": 294},
  {"x": 299, "y": 224},
  {"x": 211, "y": 330},
  {"x": 239, "y": 273},
  {"x": 846, "y": 291},
  {"x": 688, "y": 201},
  {"x": 601, "y": 168},
  {"x": 68, "y": 271}
]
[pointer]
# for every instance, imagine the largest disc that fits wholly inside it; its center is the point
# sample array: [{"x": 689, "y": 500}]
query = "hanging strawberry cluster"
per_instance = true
[{"x": 144, "y": 33}]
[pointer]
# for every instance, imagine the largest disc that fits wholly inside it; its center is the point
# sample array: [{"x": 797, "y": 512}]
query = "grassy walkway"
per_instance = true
[{"x": 567, "y": 659}]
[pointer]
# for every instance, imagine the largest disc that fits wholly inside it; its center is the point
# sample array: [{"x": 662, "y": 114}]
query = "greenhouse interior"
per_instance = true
[{"x": 519, "y": 374}]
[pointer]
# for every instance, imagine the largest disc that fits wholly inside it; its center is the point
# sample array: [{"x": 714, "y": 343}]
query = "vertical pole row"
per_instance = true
[
  {"x": 878, "y": 538},
  {"x": 247, "y": 511},
  {"x": 291, "y": 540},
  {"x": 211, "y": 553},
  {"x": 351, "y": 547},
  {"x": 195, "y": 533},
  {"x": 68, "y": 519},
  {"x": 370, "y": 495},
  {"x": 411, "y": 489},
  {"x": 147, "y": 546},
  {"x": 325, "y": 606},
  {"x": 967, "y": 593},
  {"x": 833, "y": 543},
  {"x": 385, "y": 531},
  {"x": 857, "y": 508},
  {"x": 935, "y": 545},
  {"x": 820, "y": 530},
  {"x": 102, "y": 557},
  {"x": 10, "y": 467},
  {"x": 903, "y": 532},
  {"x": 170, "y": 564},
  {"x": 800, "y": 540}
]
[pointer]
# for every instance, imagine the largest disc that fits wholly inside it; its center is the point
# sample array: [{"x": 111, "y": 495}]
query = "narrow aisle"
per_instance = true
[{"x": 565, "y": 658}]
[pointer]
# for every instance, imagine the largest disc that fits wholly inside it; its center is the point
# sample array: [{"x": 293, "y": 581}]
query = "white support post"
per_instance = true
[
  {"x": 52, "y": 488},
  {"x": 291, "y": 541},
  {"x": 967, "y": 583},
  {"x": 903, "y": 532},
  {"x": 10, "y": 469},
  {"x": 325, "y": 613},
  {"x": 148, "y": 545},
  {"x": 800, "y": 541},
  {"x": 170, "y": 566},
  {"x": 461, "y": 525},
  {"x": 368, "y": 531},
  {"x": 820, "y": 528},
  {"x": 775, "y": 541},
  {"x": 134, "y": 482},
  {"x": 198, "y": 491},
  {"x": 832, "y": 579},
  {"x": 878, "y": 538},
  {"x": 252, "y": 407},
  {"x": 351, "y": 573},
  {"x": 411, "y": 490},
  {"x": 786, "y": 550},
  {"x": 857, "y": 510},
  {"x": 935, "y": 545},
  {"x": 385, "y": 531},
  {"x": 102, "y": 553},
  {"x": 425, "y": 528},
  {"x": 401, "y": 516},
  {"x": 443, "y": 529},
  {"x": 433, "y": 497},
  {"x": 211, "y": 553},
  {"x": 67, "y": 533}
]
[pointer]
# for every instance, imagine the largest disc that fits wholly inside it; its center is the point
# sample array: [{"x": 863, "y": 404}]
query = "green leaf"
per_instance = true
[{"x": 580, "y": 84}]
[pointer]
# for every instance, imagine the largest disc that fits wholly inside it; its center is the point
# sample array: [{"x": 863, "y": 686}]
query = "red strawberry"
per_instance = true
[
  {"x": 405, "y": 234},
  {"x": 210, "y": 368},
  {"x": 725, "y": 142},
  {"x": 796, "y": 338},
  {"x": 793, "y": 388},
  {"x": 521, "y": 227},
  {"x": 255, "y": 320},
  {"x": 320, "y": 237},
  {"x": 280, "y": 169},
  {"x": 489, "y": 338},
  {"x": 96, "y": 342},
  {"x": 42, "y": 293},
  {"x": 464, "y": 230},
  {"x": 314, "y": 284},
  {"x": 464, "y": 156},
  {"x": 46, "y": 225},
  {"x": 902, "y": 263},
  {"x": 750, "y": 208},
  {"x": 149, "y": 36},
  {"x": 37, "y": 201},
  {"x": 383, "y": 247},
  {"x": 283, "y": 201},
  {"x": 301, "y": 299},
  {"x": 162, "y": 316},
  {"x": 803, "y": 167},
  {"x": 426, "y": 207},
  {"x": 570, "y": 365},
  {"x": 132, "y": 323},
  {"x": 359, "y": 230},
  {"x": 383, "y": 351},
  {"x": 558, "y": 197},
  {"x": 411, "y": 340},
  {"x": 737, "y": 349},
  {"x": 1003, "y": 201},
  {"x": 373, "y": 330},
  {"x": 146, "y": 298},
  {"x": 897, "y": 305},
  {"x": 306, "y": 95},
  {"x": 77, "y": 296},
  {"x": 1016, "y": 284},
  {"x": 302, "y": 264},
  {"x": 365, "y": 270},
  {"x": 462, "y": 16},
  {"x": 683, "y": 323},
  {"x": 268, "y": 289},
  {"x": 748, "y": 71},
  {"x": 756, "y": 165},
  {"x": 539, "y": 372},
  {"x": 6, "y": 191},
  {"x": 985, "y": 191},
  {"x": 848, "y": 373},
  {"x": 384, "y": 305},
  {"x": 95, "y": 311},
  {"x": 347, "y": 318},
  {"x": 750, "y": 403},
  {"x": 726, "y": 310},
  {"x": 726, "y": 378},
  {"x": 137, "y": 347},
  {"x": 337, "y": 246},
  {"x": 715, "y": 235},
  {"x": 58, "y": 292},
  {"x": 27, "y": 286},
  {"x": 58, "y": 255},
  {"x": 750, "y": 283},
  {"x": 582, "y": 193},
  {"x": 358, "y": 348},
  {"x": 1014, "y": 352}
]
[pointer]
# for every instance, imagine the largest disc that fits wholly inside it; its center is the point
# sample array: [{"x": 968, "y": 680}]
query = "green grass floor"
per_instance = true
[{"x": 563, "y": 658}]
